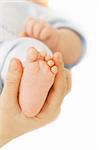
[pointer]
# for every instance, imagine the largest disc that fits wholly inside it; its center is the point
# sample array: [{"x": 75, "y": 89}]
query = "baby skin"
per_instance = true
[
  {"x": 63, "y": 40},
  {"x": 38, "y": 77}
]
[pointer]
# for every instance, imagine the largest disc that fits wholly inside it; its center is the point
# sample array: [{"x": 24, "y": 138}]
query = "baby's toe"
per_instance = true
[
  {"x": 54, "y": 69},
  {"x": 50, "y": 63},
  {"x": 42, "y": 55},
  {"x": 32, "y": 55}
]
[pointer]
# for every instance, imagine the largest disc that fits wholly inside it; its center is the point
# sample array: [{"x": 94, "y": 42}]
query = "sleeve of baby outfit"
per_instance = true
[{"x": 58, "y": 22}]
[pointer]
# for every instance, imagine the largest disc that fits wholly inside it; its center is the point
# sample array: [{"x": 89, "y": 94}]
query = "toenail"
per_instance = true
[
  {"x": 50, "y": 62},
  {"x": 54, "y": 69}
]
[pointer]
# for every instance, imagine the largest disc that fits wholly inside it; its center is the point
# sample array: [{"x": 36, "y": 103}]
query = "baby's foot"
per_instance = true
[
  {"x": 42, "y": 31},
  {"x": 38, "y": 77}
]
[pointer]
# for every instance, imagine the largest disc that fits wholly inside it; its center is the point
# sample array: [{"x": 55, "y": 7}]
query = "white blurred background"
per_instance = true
[{"x": 77, "y": 128}]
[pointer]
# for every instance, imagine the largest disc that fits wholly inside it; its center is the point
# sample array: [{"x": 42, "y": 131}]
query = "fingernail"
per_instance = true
[{"x": 13, "y": 65}]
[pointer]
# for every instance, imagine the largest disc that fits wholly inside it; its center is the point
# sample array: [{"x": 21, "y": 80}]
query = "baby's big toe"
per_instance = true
[{"x": 32, "y": 55}]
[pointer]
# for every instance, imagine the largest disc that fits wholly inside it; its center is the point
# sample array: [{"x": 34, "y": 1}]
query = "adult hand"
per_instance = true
[{"x": 13, "y": 122}]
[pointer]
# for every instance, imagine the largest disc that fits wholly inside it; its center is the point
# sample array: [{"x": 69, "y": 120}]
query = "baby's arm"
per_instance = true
[
  {"x": 70, "y": 45},
  {"x": 64, "y": 40}
]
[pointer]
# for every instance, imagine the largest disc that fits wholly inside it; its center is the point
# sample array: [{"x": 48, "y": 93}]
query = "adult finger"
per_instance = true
[{"x": 12, "y": 82}]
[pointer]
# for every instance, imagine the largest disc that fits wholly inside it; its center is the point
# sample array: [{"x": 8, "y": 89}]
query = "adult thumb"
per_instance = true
[{"x": 13, "y": 78}]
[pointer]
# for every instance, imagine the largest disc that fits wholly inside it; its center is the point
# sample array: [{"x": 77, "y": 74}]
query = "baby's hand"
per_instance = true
[{"x": 42, "y": 31}]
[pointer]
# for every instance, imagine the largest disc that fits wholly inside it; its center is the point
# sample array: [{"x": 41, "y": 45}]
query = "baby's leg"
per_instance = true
[{"x": 38, "y": 77}]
